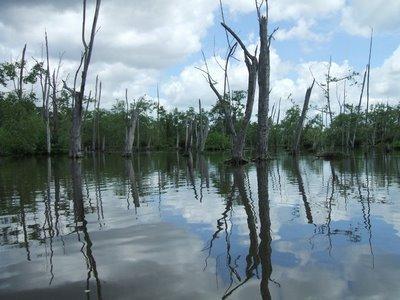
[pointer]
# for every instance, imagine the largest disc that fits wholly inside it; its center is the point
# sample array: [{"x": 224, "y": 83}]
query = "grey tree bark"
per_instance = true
[
  {"x": 300, "y": 125},
  {"x": 203, "y": 130},
  {"x": 94, "y": 134},
  {"x": 264, "y": 74},
  {"x": 130, "y": 128},
  {"x": 21, "y": 74},
  {"x": 75, "y": 150}
]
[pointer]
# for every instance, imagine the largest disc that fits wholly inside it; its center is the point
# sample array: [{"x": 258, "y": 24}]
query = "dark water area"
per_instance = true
[{"x": 164, "y": 226}]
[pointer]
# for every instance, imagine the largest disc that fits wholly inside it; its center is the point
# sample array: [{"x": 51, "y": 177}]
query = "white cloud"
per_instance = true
[
  {"x": 301, "y": 31},
  {"x": 184, "y": 90},
  {"x": 290, "y": 9},
  {"x": 359, "y": 16},
  {"x": 136, "y": 41},
  {"x": 385, "y": 79}
]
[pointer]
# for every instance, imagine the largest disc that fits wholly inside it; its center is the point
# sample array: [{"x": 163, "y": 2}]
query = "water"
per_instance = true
[{"x": 163, "y": 226}]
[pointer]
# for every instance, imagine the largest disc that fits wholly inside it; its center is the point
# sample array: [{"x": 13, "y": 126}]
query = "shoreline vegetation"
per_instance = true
[{"x": 41, "y": 114}]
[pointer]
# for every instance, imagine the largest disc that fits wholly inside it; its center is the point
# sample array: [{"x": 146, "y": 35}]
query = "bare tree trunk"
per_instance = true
[
  {"x": 98, "y": 116},
  {"x": 238, "y": 138},
  {"x": 189, "y": 137},
  {"x": 46, "y": 95},
  {"x": 103, "y": 147},
  {"x": 368, "y": 73},
  {"x": 186, "y": 135},
  {"x": 94, "y": 134},
  {"x": 300, "y": 125},
  {"x": 75, "y": 150},
  {"x": 130, "y": 133},
  {"x": 264, "y": 72},
  {"x": 328, "y": 84},
  {"x": 55, "y": 107},
  {"x": 204, "y": 135},
  {"x": 177, "y": 139},
  {"x": 21, "y": 74}
]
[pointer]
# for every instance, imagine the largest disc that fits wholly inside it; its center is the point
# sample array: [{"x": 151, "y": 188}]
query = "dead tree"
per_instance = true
[
  {"x": 203, "y": 130},
  {"x": 45, "y": 86},
  {"x": 75, "y": 150},
  {"x": 21, "y": 74},
  {"x": 96, "y": 107},
  {"x": 54, "y": 99},
  {"x": 300, "y": 125},
  {"x": 238, "y": 136},
  {"x": 131, "y": 121},
  {"x": 189, "y": 136},
  {"x": 264, "y": 74},
  {"x": 368, "y": 73}
]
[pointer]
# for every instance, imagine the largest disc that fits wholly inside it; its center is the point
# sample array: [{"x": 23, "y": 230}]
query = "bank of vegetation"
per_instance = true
[{"x": 41, "y": 114}]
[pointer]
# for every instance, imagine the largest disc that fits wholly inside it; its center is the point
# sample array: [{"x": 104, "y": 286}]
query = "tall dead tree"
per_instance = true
[
  {"x": 45, "y": 86},
  {"x": 238, "y": 136},
  {"x": 264, "y": 74},
  {"x": 96, "y": 107},
  {"x": 21, "y": 74},
  {"x": 203, "y": 130},
  {"x": 75, "y": 150},
  {"x": 368, "y": 73},
  {"x": 132, "y": 117},
  {"x": 54, "y": 99},
  {"x": 300, "y": 125}
]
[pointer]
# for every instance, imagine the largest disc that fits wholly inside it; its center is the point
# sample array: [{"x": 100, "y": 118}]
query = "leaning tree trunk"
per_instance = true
[
  {"x": 130, "y": 133},
  {"x": 239, "y": 139},
  {"x": 300, "y": 125}
]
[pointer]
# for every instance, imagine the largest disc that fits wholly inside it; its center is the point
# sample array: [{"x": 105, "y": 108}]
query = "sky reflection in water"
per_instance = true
[{"x": 172, "y": 227}]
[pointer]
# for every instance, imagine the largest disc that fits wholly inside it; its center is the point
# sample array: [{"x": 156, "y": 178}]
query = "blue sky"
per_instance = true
[{"x": 143, "y": 43}]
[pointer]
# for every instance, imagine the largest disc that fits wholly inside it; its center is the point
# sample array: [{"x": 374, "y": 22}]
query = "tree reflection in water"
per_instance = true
[{"x": 81, "y": 226}]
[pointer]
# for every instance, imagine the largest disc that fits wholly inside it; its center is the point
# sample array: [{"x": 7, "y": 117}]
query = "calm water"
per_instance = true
[{"x": 163, "y": 226}]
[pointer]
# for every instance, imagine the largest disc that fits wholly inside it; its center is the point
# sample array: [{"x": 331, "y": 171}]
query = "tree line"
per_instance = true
[{"x": 70, "y": 119}]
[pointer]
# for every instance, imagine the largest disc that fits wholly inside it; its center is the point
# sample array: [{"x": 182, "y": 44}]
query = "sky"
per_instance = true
[{"x": 144, "y": 43}]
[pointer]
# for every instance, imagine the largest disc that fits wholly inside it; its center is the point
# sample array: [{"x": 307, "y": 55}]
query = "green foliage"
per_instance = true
[
  {"x": 217, "y": 141},
  {"x": 21, "y": 128}
]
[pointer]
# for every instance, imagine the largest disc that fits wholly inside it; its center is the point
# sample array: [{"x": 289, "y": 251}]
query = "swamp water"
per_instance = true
[{"x": 164, "y": 226}]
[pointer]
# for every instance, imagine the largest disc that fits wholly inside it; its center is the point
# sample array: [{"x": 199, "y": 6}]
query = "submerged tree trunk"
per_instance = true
[
  {"x": 264, "y": 70},
  {"x": 300, "y": 125},
  {"x": 21, "y": 74},
  {"x": 94, "y": 134},
  {"x": 189, "y": 136},
  {"x": 328, "y": 84},
  {"x": 203, "y": 130},
  {"x": 75, "y": 150},
  {"x": 130, "y": 133},
  {"x": 238, "y": 138}
]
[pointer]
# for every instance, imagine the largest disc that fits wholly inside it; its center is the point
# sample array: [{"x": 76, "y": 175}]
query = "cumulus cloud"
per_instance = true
[
  {"x": 136, "y": 41},
  {"x": 301, "y": 31},
  {"x": 190, "y": 84},
  {"x": 385, "y": 79},
  {"x": 359, "y": 16}
]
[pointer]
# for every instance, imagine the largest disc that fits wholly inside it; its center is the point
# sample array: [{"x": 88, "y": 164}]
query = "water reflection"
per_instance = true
[
  {"x": 81, "y": 226},
  {"x": 111, "y": 227}
]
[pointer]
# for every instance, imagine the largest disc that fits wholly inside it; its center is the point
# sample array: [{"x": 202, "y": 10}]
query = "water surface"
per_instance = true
[{"x": 164, "y": 226}]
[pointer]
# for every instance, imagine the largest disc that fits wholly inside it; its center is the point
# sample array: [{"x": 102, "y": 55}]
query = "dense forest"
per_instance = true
[{"x": 40, "y": 114}]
